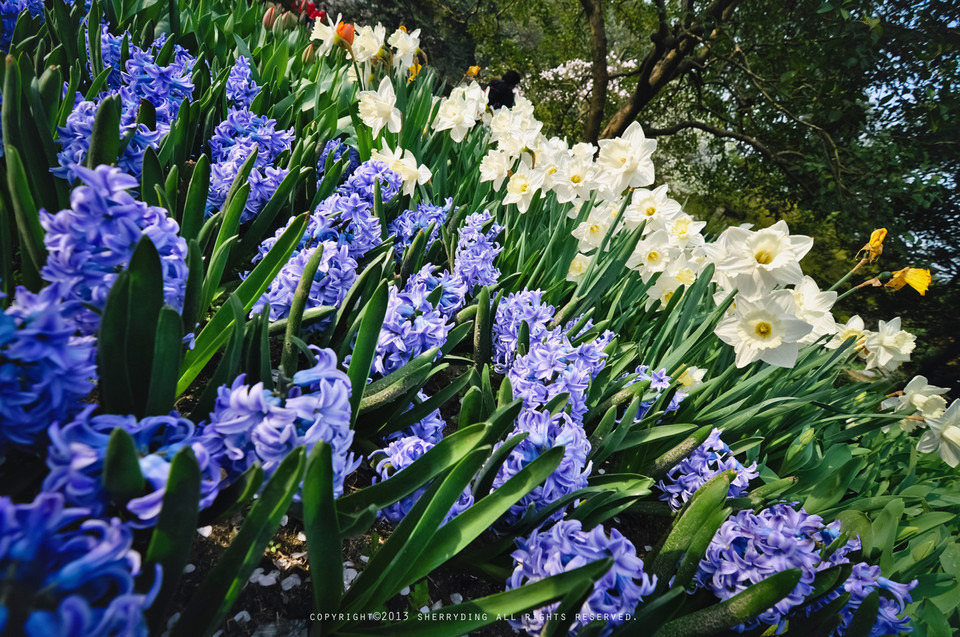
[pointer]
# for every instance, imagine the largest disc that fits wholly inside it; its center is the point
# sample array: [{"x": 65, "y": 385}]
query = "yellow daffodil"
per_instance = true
[
  {"x": 414, "y": 71},
  {"x": 874, "y": 247},
  {"x": 473, "y": 71},
  {"x": 917, "y": 278}
]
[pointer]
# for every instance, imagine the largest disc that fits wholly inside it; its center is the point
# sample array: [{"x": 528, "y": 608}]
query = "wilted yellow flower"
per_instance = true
[
  {"x": 473, "y": 71},
  {"x": 917, "y": 278},
  {"x": 874, "y": 247},
  {"x": 414, "y": 71}
]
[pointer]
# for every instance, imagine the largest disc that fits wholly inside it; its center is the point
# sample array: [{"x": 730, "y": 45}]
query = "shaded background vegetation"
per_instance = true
[{"x": 837, "y": 116}]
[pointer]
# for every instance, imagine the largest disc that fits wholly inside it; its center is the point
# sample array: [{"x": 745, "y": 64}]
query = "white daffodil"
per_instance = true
[
  {"x": 575, "y": 179},
  {"x": 770, "y": 256},
  {"x": 653, "y": 207},
  {"x": 405, "y": 47},
  {"x": 765, "y": 328},
  {"x": 495, "y": 166},
  {"x": 625, "y": 161},
  {"x": 460, "y": 111},
  {"x": 678, "y": 272},
  {"x": 853, "y": 328},
  {"x": 368, "y": 43},
  {"x": 521, "y": 187},
  {"x": 378, "y": 108},
  {"x": 889, "y": 346},
  {"x": 515, "y": 129},
  {"x": 404, "y": 163},
  {"x": 591, "y": 232},
  {"x": 943, "y": 435},
  {"x": 684, "y": 232},
  {"x": 691, "y": 377},
  {"x": 578, "y": 267},
  {"x": 551, "y": 154},
  {"x": 652, "y": 255},
  {"x": 813, "y": 306},
  {"x": 325, "y": 33},
  {"x": 917, "y": 396}
]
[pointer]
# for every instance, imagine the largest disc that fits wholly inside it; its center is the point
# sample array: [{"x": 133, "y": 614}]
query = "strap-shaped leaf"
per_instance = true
[
  {"x": 143, "y": 310},
  {"x": 195, "y": 203},
  {"x": 105, "y": 137},
  {"x": 701, "y": 507},
  {"x": 175, "y": 531},
  {"x": 122, "y": 478},
  {"x": 396, "y": 574},
  {"x": 166, "y": 363},
  {"x": 26, "y": 214},
  {"x": 365, "y": 348},
  {"x": 322, "y": 531},
  {"x": 217, "y": 331},
  {"x": 220, "y": 589},
  {"x": 288, "y": 361},
  {"x": 435, "y": 461},
  {"x": 232, "y": 497},
  {"x": 456, "y": 534},
  {"x": 116, "y": 395},
  {"x": 740, "y": 608},
  {"x": 461, "y": 619}
]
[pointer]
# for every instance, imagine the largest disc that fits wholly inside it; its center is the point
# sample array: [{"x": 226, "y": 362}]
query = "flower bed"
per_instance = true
[{"x": 413, "y": 366}]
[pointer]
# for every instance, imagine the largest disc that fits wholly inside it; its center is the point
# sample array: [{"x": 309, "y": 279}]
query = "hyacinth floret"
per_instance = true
[
  {"x": 241, "y": 87},
  {"x": 335, "y": 274},
  {"x": 362, "y": 181},
  {"x": 774, "y": 540},
  {"x": 660, "y": 381},
  {"x": 92, "y": 240},
  {"x": 863, "y": 580},
  {"x": 554, "y": 366},
  {"x": 514, "y": 309},
  {"x": 453, "y": 290},
  {"x": 429, "y": 428},
  {"x": 397, "y": 456},
  {"x": 564, "y": 547},
  {"x": 706, "y": 461},
  {"x": 338, "y": 148},
  {"x": 410, "y": 222},
  {"x": 75, "y": 137},
  {"x": 252, "y": 424},
  {"x": 477, "y": 250},
  {"x": 165, "y": 87},
  {"x": 78, "y": 448},
  {"x": 412, "y": 326},
  {"x": 545, "y": 431},
  {"x": 236, "y": 137},
  {"x": 45, "y": 370},
  {"x": 62, "y": 573}
]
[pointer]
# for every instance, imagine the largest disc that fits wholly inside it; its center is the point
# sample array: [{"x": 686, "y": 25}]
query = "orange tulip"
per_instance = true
[{"x": 345, "y": 33}]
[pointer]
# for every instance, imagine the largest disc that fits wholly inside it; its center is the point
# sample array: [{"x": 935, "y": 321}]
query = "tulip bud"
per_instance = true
[
  {"x": 309, "y": 55},
  {"x": 473, "y": 71},
  {"x": 269, "y": 17},
  {"x": 287, "y": 21},
  {"x": 345, "y": 33}
]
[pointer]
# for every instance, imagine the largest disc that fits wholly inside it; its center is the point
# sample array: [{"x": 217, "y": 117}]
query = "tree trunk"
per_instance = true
[
  {"x": 672, "y": 55},
  {"x": 598, "y": 53}
]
